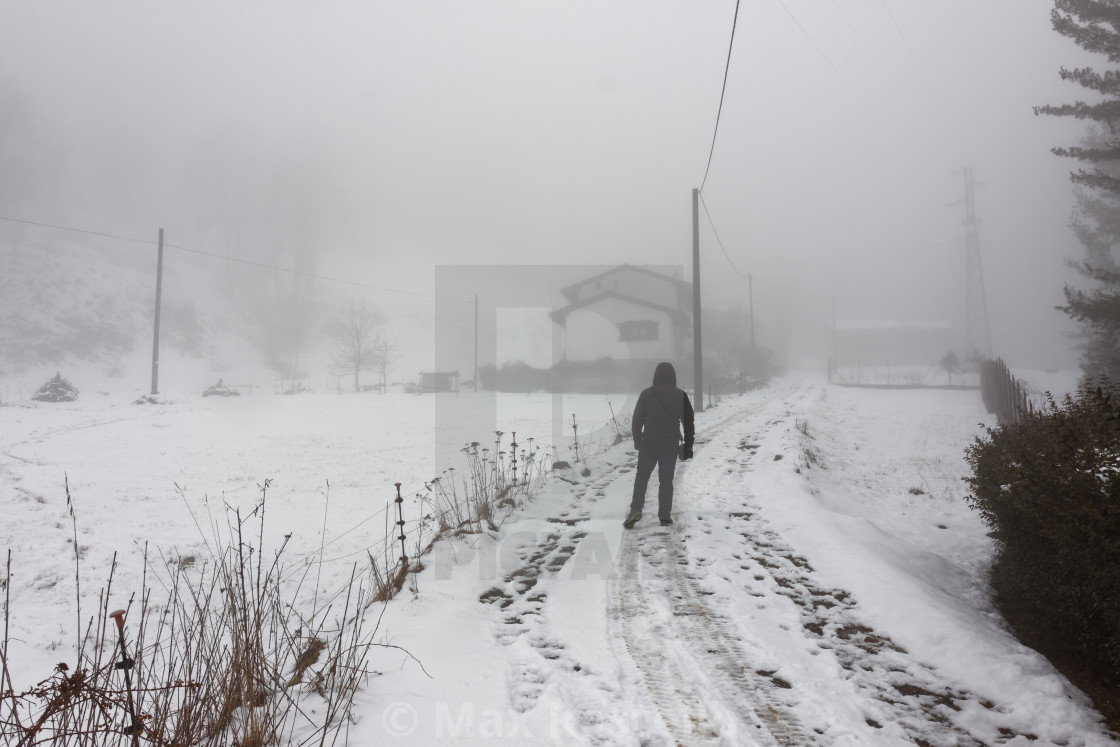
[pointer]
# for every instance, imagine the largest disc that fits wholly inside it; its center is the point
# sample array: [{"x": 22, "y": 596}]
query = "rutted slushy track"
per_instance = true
[
  {"x": 702, "y": 663},
  {"x": 657, "y": 635}
]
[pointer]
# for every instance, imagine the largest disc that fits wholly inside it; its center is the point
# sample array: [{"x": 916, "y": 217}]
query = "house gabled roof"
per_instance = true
[
  {"x": 570, "y": 291},
  {"x": 559, "y": 315}
]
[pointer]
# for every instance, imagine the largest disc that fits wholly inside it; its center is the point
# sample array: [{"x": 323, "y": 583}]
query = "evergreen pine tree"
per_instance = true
[{"x": 1094, "y": 25}]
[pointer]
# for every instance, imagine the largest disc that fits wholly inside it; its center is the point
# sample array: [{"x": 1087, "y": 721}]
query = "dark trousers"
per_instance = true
[{"x": 663, "y": 453}]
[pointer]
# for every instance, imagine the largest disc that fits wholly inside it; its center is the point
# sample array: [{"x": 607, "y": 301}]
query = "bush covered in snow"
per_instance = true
[
  {"x": 1049, "y": 488},
  {"x": 57, "y": 389},
  {"x": 220, "y": 390}
]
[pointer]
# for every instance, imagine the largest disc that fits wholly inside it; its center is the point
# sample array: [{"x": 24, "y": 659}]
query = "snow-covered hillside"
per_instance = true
[
  {"x": 824, "y": 582},
  {"x": 83, "y": 306}
]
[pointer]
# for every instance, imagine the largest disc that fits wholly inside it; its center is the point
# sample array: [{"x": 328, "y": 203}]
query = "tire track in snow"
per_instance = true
[
  {"x": 686, "y": 653},
  {"x": 523, "y": 624},
  {"x": 904, "y": 695}
]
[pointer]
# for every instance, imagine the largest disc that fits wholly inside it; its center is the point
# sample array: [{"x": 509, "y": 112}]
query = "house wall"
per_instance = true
[
  {"x": 653, "y": 288},
  {"x": 591, "y": 333},
  {"x": 439, "y": 381}
]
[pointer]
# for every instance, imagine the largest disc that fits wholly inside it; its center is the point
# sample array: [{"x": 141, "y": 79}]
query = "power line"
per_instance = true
[
  {"x": 862, "y": 255},
  {"x": 251, "y": 263},
  {"x": 718, "y": 241},
  {"x": 922, "y": 73},
  {"x": 726, "y": 70},
  {"x": 77, "y": 230},
  {"x": 880, "y": 67},
  {"x": 313, "y": 275},
  {"x": 835, "y": 69},
  {"x": 885, "y": 252},
  {"x": 857, "y": 35}
]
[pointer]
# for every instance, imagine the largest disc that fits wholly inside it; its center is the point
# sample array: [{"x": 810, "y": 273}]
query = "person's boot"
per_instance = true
[
  {"x": 666, "y": 522},
  {"x": 632, "y": 519}
]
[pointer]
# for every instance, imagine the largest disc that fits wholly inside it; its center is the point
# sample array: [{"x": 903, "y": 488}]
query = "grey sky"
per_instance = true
[{"x": 399, "y": 136}]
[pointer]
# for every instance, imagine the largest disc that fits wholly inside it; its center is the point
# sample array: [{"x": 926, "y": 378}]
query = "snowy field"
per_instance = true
[{"x": 823, "y": 582}]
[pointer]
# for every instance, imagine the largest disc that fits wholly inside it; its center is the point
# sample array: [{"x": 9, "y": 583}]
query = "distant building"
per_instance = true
[
  {"x": 439, "y": 381},
  {"x": 880, "y": 342},
  {"x": 619, "y": 323}
]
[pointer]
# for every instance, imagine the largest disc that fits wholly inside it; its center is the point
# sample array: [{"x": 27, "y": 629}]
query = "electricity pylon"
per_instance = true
[{"x": 978, "y": 336}]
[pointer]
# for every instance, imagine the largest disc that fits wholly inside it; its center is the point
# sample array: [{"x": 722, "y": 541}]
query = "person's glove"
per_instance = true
[
  {"x": 686, "y": 453},
  {"x": 637, "y": 442}
]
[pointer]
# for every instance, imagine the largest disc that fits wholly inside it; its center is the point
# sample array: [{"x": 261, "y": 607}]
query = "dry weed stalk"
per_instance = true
[{"x": 226, "y": 659}]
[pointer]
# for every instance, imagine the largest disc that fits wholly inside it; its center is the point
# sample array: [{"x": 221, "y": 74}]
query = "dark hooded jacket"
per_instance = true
[{"x": 662, "y": 409}]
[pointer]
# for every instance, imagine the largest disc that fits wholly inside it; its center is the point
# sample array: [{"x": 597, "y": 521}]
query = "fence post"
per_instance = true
[
  {"x": 1012, "y": 386},
  {"x": 400, "y": 523},
  {"x": 125, "y": 665}
]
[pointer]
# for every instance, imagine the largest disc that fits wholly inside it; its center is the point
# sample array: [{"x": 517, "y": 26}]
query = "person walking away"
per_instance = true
[{"x": 658, "y": 416}]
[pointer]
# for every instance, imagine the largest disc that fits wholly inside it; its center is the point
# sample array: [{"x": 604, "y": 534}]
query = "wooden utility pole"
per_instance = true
[
  {"x": 833, "y": 362},
  {"x": 697, "y": 350},
  {"x": 155, "y": 334},
  {"x": 476, "y": 342},
  {"x": 750, "y": 296}
]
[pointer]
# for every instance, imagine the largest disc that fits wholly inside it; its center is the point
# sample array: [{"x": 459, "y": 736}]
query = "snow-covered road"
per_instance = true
[{"x": 823, "y": 583}]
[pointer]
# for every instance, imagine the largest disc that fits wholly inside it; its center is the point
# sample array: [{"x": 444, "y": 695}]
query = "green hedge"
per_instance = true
[{"x": 1049, "y": 489}]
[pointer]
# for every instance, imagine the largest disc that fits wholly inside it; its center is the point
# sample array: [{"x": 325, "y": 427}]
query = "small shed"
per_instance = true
[{"x": 439, "y": 381}]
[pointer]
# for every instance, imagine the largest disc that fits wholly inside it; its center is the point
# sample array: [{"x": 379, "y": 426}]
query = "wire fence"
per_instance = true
[
  {"x": 885, "y": 375},
  {"x": 470, "y": 500},
  {"x": 1006, "y": 397},
  {"x": 475, "y": 498}
]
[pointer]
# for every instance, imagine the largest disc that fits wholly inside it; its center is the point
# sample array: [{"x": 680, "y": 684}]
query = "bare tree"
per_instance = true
[
  {"x": 386, "y": 353},
  {"x": 952, "y": 364},
  {"x": 726, "y": 339},
  {"x": 359, "y": 341}
]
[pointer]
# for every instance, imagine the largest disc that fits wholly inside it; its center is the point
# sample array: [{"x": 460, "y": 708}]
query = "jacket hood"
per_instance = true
[{"x": 665, "y": 374}]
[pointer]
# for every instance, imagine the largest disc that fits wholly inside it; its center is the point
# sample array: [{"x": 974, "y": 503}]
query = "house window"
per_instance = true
[{"x": 643, "y": 331}]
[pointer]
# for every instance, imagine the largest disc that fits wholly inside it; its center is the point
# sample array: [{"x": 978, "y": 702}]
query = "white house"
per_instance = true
[{"x": 619, "y": 323}]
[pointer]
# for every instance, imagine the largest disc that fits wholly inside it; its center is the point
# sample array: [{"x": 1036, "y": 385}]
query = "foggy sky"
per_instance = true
[{"x": 394, "y": 137}]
